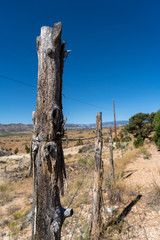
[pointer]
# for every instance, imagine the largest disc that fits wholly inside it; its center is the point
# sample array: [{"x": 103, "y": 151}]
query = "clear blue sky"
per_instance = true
[{"x": 115, "y": 55}]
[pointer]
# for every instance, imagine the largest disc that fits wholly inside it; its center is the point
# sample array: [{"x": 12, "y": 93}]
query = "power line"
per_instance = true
[
  {"x": 29, "y": 85},
  {"x": 17, "y": 81},
  {"x": 90, "y": 104},
  {"x": 32, "y": 86}
]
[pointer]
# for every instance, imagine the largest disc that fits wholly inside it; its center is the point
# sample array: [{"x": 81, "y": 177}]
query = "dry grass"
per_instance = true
[
  {"x": 18, "y": 210},
  {"x": 121, "y": 163},
  {"x": 117, "y": 186},
  {"x": 153, "y": 199},
  {"x": 117, "y": 193},
  {"x": 19, "y": 222},
  {"x": 145, "y": 152},
  {"x": 156, "y": 190},
  {"x": 4, "y": 186},
  {"x": 6, "y": 194}
]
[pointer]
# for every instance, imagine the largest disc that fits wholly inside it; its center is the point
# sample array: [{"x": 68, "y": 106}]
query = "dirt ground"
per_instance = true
[{"x": 143, "y": 222}]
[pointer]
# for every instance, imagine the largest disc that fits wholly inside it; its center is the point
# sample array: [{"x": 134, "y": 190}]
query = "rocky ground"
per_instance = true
[{"x": 144, "y": 219}]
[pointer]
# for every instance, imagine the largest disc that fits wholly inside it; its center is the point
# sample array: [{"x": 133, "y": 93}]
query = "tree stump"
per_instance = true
[{"x": 46, "y": 152}]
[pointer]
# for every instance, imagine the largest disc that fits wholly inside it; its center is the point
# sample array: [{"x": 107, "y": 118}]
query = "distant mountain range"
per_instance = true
[
  {"x": 15, "y": 128},
  {"x": 27, "y": 128},
  {"x": 93, "y": 125}
]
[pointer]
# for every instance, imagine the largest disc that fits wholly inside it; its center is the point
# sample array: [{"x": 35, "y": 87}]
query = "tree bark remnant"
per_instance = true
[
  {"x": 46, "y": 153},
  {"x": 98, "y": 178}
]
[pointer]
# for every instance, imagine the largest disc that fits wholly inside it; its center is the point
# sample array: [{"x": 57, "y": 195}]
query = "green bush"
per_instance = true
[
  {"x": 141, "y": 124},
  {"x": 146, "y": 153},
  {"x": 85, "y": 161},
  {"x": 127, "y": 139},
  {"x": 106, "y": 140},
  {"x": 8, "y": 149},
  {"x": 82, "y": 161},
  {"x": 80, "y": 150},
  {"x": 27, "y": 149},
  {"x": 79, "y": 142},
  {"x": 114, "y": 139},
  {"x": 16, "y": 151},
  {"x": 138, "y": 141},
  {"x": 156, "y": 127}
]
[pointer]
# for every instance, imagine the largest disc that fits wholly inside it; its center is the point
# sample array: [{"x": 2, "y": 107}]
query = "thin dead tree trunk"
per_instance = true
[
  {"x": 112, "y": 173},
  {"x": 98, "y": 178},
  {"x": 47, "y": 153},
  {"x": 115, "y": 127}
]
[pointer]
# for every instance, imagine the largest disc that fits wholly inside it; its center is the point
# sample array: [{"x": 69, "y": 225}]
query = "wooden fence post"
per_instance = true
[
  {"x": 115, "y": 128},
  {"x": 112, "y": 173},
  {"x": 47, "y": 153},
  {"x": 98, "y": 178}
]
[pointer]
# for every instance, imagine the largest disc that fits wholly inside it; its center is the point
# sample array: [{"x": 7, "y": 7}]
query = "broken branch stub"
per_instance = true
[{"x": 47, "y": 153}]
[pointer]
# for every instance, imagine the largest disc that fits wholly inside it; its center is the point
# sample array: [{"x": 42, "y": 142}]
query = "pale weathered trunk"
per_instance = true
[
  {"x": 115, "y": 128},
  {"x": 47, "y": 153},
  {"x": 112, "y": 174},
  {"x": 98, "y": 178}
]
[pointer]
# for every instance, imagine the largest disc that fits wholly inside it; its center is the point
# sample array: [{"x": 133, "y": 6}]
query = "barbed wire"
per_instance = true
[
  {"x": 76, "y": 139},
  {"x": 73, "y": 232},
  {"x": 64, "y": 139},
  {"x": 79, "y": 186}
]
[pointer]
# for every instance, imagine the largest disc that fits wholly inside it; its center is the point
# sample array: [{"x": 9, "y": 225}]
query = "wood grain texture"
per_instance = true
[
  {"x": 98, "y": 178},
  {"x": 47, "y": 153}
]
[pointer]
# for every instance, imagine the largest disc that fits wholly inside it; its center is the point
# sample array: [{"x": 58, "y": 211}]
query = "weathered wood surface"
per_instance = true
[
  {"x": 112, "y": 172},
  {"x": 47, "y": 154},
  {"x": 115, "y": 127},
  {"x": 98, "y": 178}
]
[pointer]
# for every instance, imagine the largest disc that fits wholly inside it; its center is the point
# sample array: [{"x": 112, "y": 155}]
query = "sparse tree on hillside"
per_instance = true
[
  {"x": 156, "y": 126},
  {"x": 140, "y": 125}
]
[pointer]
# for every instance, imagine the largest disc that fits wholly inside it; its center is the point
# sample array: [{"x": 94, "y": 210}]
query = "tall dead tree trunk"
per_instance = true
[
  {"x": 47, "y": 154},
  {"x": 98, "y": 178}
]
